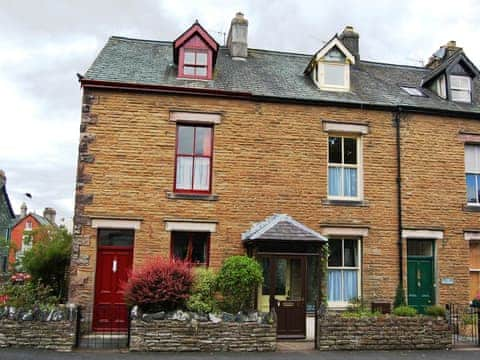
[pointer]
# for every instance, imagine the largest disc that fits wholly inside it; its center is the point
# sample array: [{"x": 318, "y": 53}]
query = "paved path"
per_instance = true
[{"x": 11, "y": 354}]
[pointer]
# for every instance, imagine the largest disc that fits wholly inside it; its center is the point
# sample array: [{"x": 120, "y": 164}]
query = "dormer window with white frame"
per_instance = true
[
  {"x": 461, "y": 88},
  {"x": 330, "y": 67}
]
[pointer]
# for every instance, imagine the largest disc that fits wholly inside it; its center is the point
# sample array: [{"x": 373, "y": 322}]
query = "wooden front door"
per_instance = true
[
  {"x": 286, "y": 288},
  {"x": 420, "y": 279},
  {"x": 114, "y": 263}
]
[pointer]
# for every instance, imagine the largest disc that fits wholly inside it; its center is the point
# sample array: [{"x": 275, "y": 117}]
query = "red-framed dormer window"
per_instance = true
[
  {"x": 195, "y": 63},
  {"x": 193, "y": 159}
]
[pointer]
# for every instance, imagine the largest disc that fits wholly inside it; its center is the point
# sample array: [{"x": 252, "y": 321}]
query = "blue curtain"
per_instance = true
[
  {"x": 334, "y": 285},
  {"x": 350, "y": 182},
  {"x": 334, "y": 181}
]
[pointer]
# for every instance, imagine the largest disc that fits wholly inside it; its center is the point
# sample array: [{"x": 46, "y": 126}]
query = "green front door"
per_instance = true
[{"x": 420, "y": 282}]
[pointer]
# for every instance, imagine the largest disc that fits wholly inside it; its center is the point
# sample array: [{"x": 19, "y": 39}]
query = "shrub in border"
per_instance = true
[
  {"x": 237, "y": 280},
  {"x": 160, "y": 285},
  {"x": 202, "y": 299},
  {"x": 405, "y": 310},
  {"x": 435, "y": 310}
]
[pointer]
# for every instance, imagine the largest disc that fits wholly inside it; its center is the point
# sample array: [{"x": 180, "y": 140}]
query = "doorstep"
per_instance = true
[{"x": 295, "y": 345}]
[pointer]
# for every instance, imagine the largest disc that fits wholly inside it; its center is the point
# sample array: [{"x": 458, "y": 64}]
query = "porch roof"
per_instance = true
[{"x": 281, "y": 227}]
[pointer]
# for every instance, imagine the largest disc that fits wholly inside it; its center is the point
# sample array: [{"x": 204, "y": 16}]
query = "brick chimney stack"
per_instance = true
[
  {"x": 237, "y": 41},
  {"x": 350, "y": 38},
  {"x": 23, "y": 210},
  {"x": 444, "y": 53}
]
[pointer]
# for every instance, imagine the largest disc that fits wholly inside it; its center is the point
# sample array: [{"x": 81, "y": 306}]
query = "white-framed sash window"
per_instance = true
[
  {"x": 344, "y": 170},
  {"x": 344, "y": 275},
  {"x": 472, "y": 173},
  {"x": 461, "y": 88}
]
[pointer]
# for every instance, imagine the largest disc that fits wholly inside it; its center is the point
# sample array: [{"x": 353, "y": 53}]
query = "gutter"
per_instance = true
[{"x": 245, "y": 95}]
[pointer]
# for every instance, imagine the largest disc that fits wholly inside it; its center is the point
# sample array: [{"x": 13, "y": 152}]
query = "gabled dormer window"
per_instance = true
[
  {"x": 330, "y": 67},
  {"x": 195, "y": 52}
]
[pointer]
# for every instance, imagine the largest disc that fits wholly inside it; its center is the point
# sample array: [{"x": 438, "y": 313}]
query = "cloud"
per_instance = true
[{"x": 43, "y": 44}]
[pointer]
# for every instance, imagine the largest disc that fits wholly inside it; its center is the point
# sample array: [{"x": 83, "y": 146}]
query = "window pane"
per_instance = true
[
  {"x": 185, "y": 140},
  {"x": 189, "y": 57},
  {"x": 472, "y": 158},
  {"x": 350, "y": 182},
  {"x": 461, "y": 95},
  {"x": 188, "y": 70},
  {"x": 350, "y": 285},
  {"x": 335, "y": 150},
  {"x": 460, "y": 82},
  {"x": 471, "y": 188},
  {"x": 334, "y": 75},
  {"x": 419, "y": 248},
  {"x": 201, "y": 71},
  {"x": 180, "y": 245},
  {"x": 184, "y": 172},
  {"x": 112, "y": 237},
  {"x": 350, "y": 151},
  {"x": 201, "y": 58},
  {"x": 350, "y": 255},
  {"x": 202, "y": 174},
  {"x": 334, "y": 285},
  {"x": 203, "y": 141},
  {"x": 199, "y": 248},
  {"x": 335, "y": 252},
  {"x": 334, "y": 181},
  {"x": 280, "y": 277}
]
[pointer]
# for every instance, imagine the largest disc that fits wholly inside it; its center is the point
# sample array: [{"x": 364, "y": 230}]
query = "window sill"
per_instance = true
[
  {"x": 358, "y": 203},
  {"x": 181, "y": 196},
  {"x": 471, "y": 208}
]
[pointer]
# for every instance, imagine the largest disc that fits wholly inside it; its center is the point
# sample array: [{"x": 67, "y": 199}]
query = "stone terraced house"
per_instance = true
[{"x": 197, "y": 151}]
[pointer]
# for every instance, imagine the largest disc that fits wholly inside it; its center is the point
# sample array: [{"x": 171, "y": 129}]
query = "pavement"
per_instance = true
[{"x": 11, "y": 354}]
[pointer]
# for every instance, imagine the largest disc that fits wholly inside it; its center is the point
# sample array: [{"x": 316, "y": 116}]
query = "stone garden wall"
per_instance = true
[
  {"x": 335, "y": 332},
  {"x": 176, "y": 335},
  {"x": 54, "y": 335}
]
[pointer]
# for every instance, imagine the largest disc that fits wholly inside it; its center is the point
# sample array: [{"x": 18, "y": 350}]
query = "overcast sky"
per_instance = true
[{"x": 43, "y": 44}]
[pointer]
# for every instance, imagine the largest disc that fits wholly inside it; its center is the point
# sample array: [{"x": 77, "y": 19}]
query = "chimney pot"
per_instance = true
[{"x": 237, "y": 40}]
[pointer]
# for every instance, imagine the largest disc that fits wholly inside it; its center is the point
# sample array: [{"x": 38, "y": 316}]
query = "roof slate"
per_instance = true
[
  {"x": 271, "y": 74},
  {"x": 281, "y": 227}
]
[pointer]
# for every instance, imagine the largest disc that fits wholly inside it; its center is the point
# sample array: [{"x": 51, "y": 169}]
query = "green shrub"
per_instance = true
[
  {"x": 28, "y": 295},
  {"x": 202, "y": 299},
  {"x": 405, "y": 310},
  {"x": 435, "y": 310},
  {"x": 237, "y": 280},
  {"x": 48, "y": 259}
]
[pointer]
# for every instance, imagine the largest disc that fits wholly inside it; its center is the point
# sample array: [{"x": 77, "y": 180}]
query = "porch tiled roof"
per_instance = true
[{"x": 281, "y": 227}]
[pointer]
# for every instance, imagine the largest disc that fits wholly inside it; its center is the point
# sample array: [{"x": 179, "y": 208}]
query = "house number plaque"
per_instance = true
[{"x": 448, "y": 281}]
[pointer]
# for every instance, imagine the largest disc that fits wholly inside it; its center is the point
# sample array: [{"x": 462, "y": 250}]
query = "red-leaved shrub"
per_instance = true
[{"x": 160, "y": 285}]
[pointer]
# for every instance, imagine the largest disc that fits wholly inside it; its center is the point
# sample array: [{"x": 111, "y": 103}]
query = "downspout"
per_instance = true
[{"x": 396, "y": 120}]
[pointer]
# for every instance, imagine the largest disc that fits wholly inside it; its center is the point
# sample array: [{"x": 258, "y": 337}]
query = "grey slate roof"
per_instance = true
[
  {"x": 269, "y": 73},
  {"x": 281, "y": 227}
]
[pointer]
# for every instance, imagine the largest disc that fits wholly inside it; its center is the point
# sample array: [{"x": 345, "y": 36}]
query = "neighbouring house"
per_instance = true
[
  {"x": 198, "y": 151},
  {"x": 21, "y": 237},
  {"x": 6, "y": 217}
]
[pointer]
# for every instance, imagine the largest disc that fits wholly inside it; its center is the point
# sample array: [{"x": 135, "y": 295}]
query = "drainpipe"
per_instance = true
[{"x": 396, "y": 120}]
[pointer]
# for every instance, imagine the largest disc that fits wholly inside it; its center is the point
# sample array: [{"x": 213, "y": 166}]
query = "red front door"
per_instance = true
[{"x": 114, "y": 263}]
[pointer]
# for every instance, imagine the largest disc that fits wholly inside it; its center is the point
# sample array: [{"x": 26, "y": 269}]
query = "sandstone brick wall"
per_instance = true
[
  {"x": 173, "y": 335},
  {"x": 434, "y": 194},
  {"x": 382, "y": 333},
  {"x": 53, "y": 335},
  {"x": 268, "y": 158}
]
